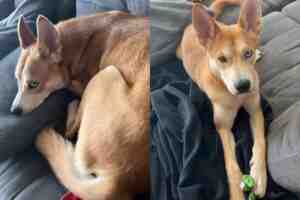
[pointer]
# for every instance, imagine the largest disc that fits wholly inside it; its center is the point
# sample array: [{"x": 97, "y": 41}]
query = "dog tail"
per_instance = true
[
  {"x": 218, "y": 5},
  {"x": 60, "y": 155}
]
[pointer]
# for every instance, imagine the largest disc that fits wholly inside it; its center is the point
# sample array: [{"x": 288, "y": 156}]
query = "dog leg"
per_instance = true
[
  {"x": 223, "y": 119},
  {"x": 73, "y": 119},
  {"x": 258, "y": 160},
  {"x": 233, "y": 171}
]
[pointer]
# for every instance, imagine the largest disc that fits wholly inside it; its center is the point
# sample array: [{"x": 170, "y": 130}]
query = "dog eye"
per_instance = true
[
  {"x": 33, "y": 84},
  {"x": 222, "y": 59},
  {"x": 248, "y": 54}
]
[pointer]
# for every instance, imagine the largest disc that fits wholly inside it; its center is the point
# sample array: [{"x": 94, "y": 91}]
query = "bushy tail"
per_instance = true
[
  {"x": 218, "y": 5},
  {"x": 60, "y": 155}
]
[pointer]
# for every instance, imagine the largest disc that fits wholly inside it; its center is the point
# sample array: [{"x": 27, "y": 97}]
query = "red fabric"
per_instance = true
[{"x": 69, "y": 196}]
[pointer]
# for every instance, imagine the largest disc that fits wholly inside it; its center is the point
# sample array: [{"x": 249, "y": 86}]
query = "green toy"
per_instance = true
[
  {"x": 251, "y": 196},
  {"x": 247, "y": 185}
]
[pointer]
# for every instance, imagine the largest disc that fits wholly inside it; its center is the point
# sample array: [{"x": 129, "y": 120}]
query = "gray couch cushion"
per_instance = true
[
  {"x": 284, "y": 155},
  {"x": 268, "y": 6},
  {"x": 135, "y": 7},
  {"x": 279, "y": 67},
  {"x": 278, "y": 70},
  {"x": 280, "y": 79},
  {"x": 6, "y": 8},
  {"x": 17, "y": 180},
  {"x": 282, "y": 25}
]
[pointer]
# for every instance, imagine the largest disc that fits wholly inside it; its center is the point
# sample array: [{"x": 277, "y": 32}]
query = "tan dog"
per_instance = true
[
  {"x": 110, "y": 158},
  {"x": 221, "y": 60},
  {"x": 69, "y": 54}
]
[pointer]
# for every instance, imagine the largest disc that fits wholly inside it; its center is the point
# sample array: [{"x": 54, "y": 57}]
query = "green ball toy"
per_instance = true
[
  {"x": 247, "y": 185},
  {"x": 252, "y": 196}
]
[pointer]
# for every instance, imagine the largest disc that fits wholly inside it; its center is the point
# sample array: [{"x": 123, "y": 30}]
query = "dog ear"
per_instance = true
[
  {"x": 47, "y": 37},
  {"x": 25, "y": 35},
  {"x": 250, "y": 16},
  {"x": 204, "y": 24}
]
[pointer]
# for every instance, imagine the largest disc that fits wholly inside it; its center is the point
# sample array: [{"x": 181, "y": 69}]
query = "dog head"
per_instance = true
[
  {"x": 231, "y": 49},
  {"x": 38, "y": 70}
]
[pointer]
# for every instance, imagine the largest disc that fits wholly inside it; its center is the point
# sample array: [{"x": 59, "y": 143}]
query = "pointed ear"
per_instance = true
[
  {"x": 47, "y": 36},
  {"x": 25, "y": 35},
  {"x": 250, "y": 16},
  {"x": 204, "y": 24}
]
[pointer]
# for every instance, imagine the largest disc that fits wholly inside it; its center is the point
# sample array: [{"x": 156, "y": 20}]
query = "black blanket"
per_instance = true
[{"x": 186, "y": 152}]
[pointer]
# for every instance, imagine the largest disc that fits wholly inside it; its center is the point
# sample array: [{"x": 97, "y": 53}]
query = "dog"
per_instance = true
[
  {"x": 68, "y": 54},
  {"x": 221, "y": 60},
  {"x": 104, "y": 59}
]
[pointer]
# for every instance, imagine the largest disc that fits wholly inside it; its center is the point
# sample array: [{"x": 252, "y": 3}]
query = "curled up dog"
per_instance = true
[{"x": 104, "y": 59}]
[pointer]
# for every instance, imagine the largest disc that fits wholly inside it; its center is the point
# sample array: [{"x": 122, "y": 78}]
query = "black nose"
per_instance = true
[
  {"x": 16, "y": 110},
  {"x": 243, "y": 85}
]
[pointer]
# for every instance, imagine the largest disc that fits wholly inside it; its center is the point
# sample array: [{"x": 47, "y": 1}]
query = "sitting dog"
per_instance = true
[
  {"x": 221, "y": 60},
  {"x": 105, "y": 58}
]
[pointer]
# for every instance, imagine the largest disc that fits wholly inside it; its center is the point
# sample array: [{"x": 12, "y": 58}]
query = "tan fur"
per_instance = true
[
  {"x": 85, "y": 45},
  {"x": 105, "y": 57},
  {"x": 200, "y": 62},
  {"x": 112, "y": 142}
]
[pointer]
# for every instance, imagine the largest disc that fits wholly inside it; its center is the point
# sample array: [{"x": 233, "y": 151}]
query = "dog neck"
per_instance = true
[{"x": 81, "y": 57}]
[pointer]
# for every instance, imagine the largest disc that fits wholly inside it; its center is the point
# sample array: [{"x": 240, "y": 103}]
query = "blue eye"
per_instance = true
[{"x": 32, "y": 84}]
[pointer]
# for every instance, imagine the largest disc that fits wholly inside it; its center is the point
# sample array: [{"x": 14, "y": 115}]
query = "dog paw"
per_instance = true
[
  {"x": 258, "y": 55},
  {"x": 235, "y": 178},
  {"x": 49, "y": 142},
  {"x": 259, "y": 173},
  {"x": 72, "y": 114},
  {"x": 237, "y": 195}
]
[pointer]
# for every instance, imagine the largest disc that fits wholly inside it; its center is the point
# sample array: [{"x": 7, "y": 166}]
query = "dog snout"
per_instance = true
[
  {"x": 16, "y": 110},
  {"x": 243, "y": 86}
]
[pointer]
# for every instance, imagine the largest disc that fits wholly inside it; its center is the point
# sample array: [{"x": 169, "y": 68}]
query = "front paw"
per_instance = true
[
  {"x": 235, "y": 178},
  {"x": 44, "y": 140},
  {"x": 259, "y": 173}
]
